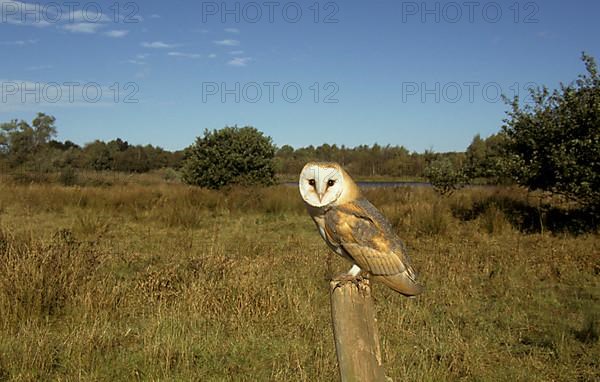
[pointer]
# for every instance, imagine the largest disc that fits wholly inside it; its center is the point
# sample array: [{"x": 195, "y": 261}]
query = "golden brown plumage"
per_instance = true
[{"x": 354, "y": 228}]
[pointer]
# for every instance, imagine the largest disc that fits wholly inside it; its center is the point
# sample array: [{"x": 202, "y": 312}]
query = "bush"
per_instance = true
[
  {"x": 230, "y": 156},
  {"x": 444, "y": 177}
]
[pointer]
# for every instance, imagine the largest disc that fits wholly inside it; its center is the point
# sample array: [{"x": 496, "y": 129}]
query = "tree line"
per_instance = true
[{"x": 33, "y": 147}]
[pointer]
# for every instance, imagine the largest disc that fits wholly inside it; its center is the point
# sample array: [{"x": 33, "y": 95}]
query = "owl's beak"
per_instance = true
[{"x": 320, "y": 192}]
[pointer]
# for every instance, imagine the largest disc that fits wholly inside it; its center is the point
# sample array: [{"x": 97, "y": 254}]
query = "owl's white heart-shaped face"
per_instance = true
[{"x": 321, "y": 184}]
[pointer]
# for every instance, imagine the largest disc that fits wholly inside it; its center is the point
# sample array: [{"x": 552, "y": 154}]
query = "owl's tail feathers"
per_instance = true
[{"x": 402, "y": 283}]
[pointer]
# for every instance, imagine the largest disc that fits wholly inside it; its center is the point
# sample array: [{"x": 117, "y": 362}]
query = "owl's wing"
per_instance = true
[{"x": 365, "y": 234}]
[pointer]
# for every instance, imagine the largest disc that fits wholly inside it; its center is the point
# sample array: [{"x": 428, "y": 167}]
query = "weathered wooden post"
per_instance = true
[{"x": 355, "y": 331}]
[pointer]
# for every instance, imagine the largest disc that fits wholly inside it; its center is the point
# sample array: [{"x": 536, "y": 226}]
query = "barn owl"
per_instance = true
[{"x": 354, "y": 229}]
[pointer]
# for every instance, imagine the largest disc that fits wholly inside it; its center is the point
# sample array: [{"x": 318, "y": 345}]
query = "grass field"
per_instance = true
[{"x": 148, "y": 280}]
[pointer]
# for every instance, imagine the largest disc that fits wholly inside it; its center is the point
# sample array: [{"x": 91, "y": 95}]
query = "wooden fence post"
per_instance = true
[{"x": 355, "y": 331}]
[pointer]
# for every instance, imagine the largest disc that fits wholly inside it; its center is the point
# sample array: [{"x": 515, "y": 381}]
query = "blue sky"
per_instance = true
[{"x": 419, "y": 74}]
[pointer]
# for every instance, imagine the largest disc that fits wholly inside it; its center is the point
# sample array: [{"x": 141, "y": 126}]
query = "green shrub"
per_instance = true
[
  {"x": 230, "y": 156},
  {"x": 444, "y": 176}
]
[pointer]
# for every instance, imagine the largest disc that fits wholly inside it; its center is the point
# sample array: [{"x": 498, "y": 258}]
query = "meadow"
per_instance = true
[{"x": 142, "y": 278}]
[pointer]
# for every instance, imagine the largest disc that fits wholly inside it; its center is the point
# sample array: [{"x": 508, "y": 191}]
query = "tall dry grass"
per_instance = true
[{"x": 166, "y": 282}]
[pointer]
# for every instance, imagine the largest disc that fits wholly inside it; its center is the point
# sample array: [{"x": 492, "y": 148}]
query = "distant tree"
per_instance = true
[
  {"x": 158, "y": 157},
  {"x": 324, "y": 152},
  {"x": 98, "y": 156},
  {"x": 284, "y": 160},
  {"x": 286, "y": 151},
  {"x": 71, "y": 158},
  {"x": 118, "y": 145},
  {"x": 172, "y": 159},
  {"x": 132, "y": 159},
  {"x": 21, "y": 143},
  {"x": 43, "y": 129},
  {"x": 32, "y": 147},
  {"x": 63, "y": 146},
  {"x": 554, "y": 144},
  {"x": 231, "y": 155},
  {"x": 485, "y": 158},
  {"x": 363, "y": 160},
  {"x": 444, "y": 176}
]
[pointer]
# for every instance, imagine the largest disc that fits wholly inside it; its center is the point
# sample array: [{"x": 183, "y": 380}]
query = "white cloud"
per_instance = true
[
  {"x": 212, "y": 55},
  {"x": 136, "y": 62},
  {"x": 232, "y": 30},
  {"x": 184, "y": 55},
  {"x": 227, "y": 42},
  {"x": 87, "y": 28},
  {"x": 236, "y": 52},
  {"x": 158, "y": 45},
  {"x": 117, "y": 33},
  {"x": 155, "y": 16},
  {"x": 239, "y": 61},
  {"x": 140, "y": 59}
]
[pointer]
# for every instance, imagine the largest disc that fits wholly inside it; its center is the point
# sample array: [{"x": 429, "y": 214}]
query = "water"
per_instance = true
[
  {"x": 392, "y": 184},
  {"x": 379, "y": 184},
  {"x": 398, "y": 184}
]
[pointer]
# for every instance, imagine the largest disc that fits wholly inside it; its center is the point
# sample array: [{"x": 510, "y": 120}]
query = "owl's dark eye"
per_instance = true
[
  {"x": 330, "y": 182},
  {"x": 311, "y": 182}
]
